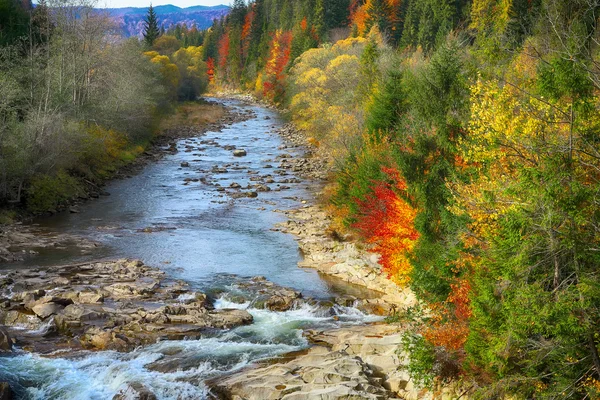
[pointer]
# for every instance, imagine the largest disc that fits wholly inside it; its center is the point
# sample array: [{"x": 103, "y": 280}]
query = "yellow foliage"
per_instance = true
[
  {"x": 326, "y": 104},
  {"x": 509, "y": 132},
  {"x": 169, "y": 70},
  {"x": 166, "y": 44},
  {"x": 258, "y": 86},
  {"x": 113, "y": 142}
]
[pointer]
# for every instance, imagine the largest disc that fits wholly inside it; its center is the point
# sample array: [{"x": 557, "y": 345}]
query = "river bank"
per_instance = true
[
  {"x": 21, "y": 239},
  {"x": 120, "y": 324}
]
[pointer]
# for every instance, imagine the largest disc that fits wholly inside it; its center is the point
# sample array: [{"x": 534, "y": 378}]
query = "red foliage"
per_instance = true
[
  {"x": 304, "y": 24},
  {"x": 210, "y": 69},
  {"x": 459, "y": 296},
  {"x": 387, "y": 221},
  {"x": 223, "y": 51},
  {"x": 279, "y": 57},
  {"x": 450, "y": 325},
  {"x": 247, "y": 30}
]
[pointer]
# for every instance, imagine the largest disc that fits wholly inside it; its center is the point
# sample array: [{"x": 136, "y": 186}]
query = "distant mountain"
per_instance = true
[{"x": 131, "y": 19}]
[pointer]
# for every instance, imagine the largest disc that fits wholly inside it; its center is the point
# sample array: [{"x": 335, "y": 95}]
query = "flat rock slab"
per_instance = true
[
  {"x": 319, "y": 374},
  {"x": 113, "y": 305}
]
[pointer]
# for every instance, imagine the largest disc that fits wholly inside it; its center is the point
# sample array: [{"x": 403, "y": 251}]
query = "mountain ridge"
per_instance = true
[{"x": 131, "y": 19}]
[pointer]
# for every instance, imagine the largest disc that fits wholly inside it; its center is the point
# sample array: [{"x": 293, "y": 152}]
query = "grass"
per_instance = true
[
  {"x": 193, "y": 114},
  {"x": 7, "y": 217}
]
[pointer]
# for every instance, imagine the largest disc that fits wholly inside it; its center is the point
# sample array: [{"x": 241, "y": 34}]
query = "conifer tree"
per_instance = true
[{"x": 151, "y": 31}]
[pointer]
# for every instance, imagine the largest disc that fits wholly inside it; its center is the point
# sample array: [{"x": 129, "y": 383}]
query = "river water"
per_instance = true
[{"x": 195, "y": 232}]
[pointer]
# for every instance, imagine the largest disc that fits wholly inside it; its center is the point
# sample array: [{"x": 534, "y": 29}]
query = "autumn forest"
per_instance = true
[{"x": 462, "y": 139}]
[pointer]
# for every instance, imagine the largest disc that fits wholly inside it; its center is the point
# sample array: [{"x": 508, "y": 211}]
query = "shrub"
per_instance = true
[{"x": 49, "y": 193}]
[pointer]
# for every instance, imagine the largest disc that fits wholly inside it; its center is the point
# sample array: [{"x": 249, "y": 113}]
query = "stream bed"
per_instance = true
[{"x": 189, "y": 215}]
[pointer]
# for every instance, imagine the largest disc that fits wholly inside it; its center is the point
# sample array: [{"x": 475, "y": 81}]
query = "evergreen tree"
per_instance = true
[
  {"x": 379, "y": 12},
  {"x": 151, "y": 31},
  {"x": 14, "y": 21},
  {"x": 337, "y": 13}
]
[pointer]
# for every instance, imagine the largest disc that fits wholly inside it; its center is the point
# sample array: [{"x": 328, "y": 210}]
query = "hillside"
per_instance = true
[{"x": 131, "y": 19}]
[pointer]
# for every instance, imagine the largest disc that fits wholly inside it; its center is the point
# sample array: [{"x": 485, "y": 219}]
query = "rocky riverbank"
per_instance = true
[
  {"x": 363, "y": 362},
  {"x": 113, "y": 305},
  {"x": 311, "y": 224}
]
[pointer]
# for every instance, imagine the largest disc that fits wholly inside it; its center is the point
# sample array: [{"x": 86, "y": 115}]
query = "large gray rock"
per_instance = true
[
  {"x": 135, "y": 391},
  {"x": 320, "y": 374},
  {"x": 45, "y": 310}
]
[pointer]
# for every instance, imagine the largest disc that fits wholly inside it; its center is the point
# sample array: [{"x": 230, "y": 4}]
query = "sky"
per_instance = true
[{"x": 145, "y": 3}]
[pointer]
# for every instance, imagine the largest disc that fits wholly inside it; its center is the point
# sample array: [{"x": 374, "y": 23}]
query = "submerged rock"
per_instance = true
[{"x": 6, "y": 392}]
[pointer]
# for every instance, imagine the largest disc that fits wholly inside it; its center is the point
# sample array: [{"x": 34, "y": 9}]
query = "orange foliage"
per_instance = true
[
  {"x": 450, "y": 325},
  {"x": 247, "y": 30},
  {"x": 210, "y": 69},
  {"x": 387, "y": 221},
  {"x": 359, "y": 17},
  {"x": 279, "y": 57},
  {"x": 304, "y": 24},
  {"x": 223, "y": 51}
]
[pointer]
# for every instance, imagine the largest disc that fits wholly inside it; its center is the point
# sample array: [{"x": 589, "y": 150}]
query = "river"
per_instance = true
[{"x": 178, "y": 218}]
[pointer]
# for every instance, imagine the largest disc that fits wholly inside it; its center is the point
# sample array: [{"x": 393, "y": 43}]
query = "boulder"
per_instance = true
[
  {"x": 45, "y": 310},
  {"x": 78, "y": 312},
  {"x": 229, "y": 318},
  {"x": 319, "y": 374},
  {"x": 239, "y": 153},
  {"x": 6, "y": 392},
  {"x": 135, "y": 391},
  {"x": 90, "y": 298},
  {"x": 18, "y": 319},
  {"x": 5, "y": 343}
]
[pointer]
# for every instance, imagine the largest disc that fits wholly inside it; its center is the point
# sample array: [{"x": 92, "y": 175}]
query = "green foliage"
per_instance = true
[
  {"x": 52, "y": 192},
  {"x": 428, "y": 22},
  {"x": 387, "y": 106},
  {"x": 362, "y": 170},
  {"x": 421, "y": 359},
  {"x": 426, "y": 136},
  {"x": 53, "y": 120},
  {"x": 7, "y": 217},
  {"x": 14, "y": 21},
  {"x": 151, "y": 31}
]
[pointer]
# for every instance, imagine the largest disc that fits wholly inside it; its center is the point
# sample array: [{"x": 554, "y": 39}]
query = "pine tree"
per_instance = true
[{"x": 151, "y": 31}]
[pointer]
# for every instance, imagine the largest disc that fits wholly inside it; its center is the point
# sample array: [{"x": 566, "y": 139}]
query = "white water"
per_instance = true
[
  {"x": 100, "y": 375},
  {"x": 214, "y": 235}
]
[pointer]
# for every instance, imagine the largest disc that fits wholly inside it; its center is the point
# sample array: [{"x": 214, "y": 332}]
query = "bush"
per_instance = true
[{"x": 49, "y": 193}]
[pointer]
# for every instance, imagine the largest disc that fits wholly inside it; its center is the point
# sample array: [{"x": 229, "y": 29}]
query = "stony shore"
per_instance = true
[
  {"x": 114, "y": 305},
  {"x": 310, "y": 224},
  {"x": 361, "y": 362},
  {"x": 119, "y": 305}
]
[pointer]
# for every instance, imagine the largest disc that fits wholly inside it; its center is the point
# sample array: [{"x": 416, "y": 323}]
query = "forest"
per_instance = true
[
  {"x": 465, "y": 149},
  {"x": 78, "y": 102},
  {"x": 463, "y": 139}
]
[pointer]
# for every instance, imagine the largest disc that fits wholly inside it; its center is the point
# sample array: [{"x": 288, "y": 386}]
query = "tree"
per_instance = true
[
  {"x": 14, "y": 21},
  {"x": 151, "y": 30}
]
